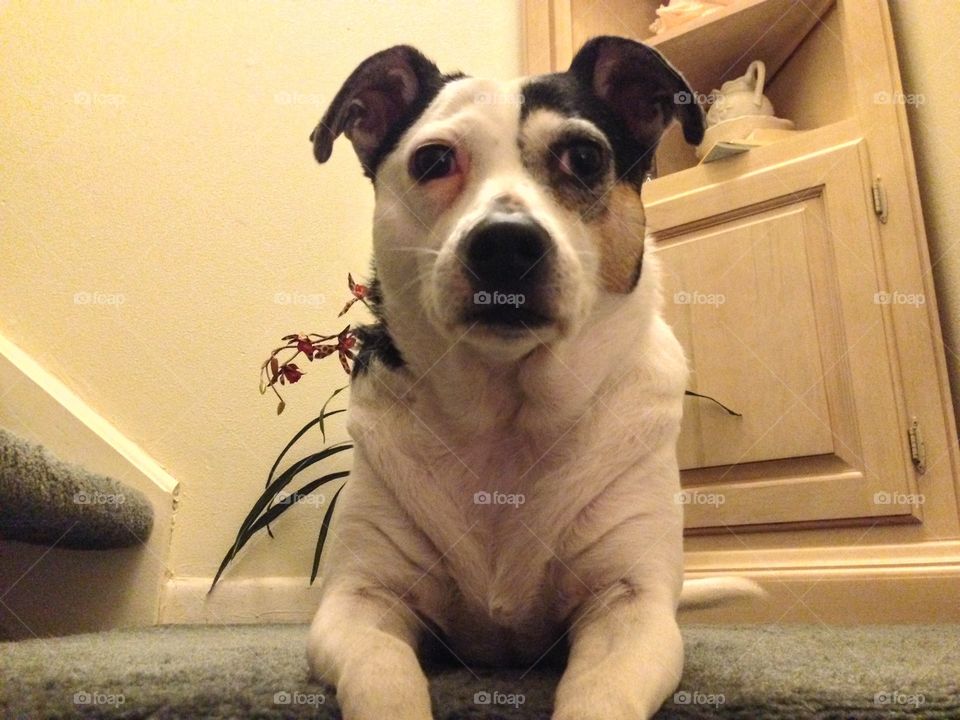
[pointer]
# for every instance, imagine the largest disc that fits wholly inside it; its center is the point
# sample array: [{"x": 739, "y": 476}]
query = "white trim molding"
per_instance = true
[
  {"x": 917, "y": 583},
  {"x": 146, "y": 466},
  {"x": 186, "y": 600}
]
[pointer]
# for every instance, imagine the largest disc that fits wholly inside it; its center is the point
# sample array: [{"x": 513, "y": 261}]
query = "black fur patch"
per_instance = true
[
  {"x": 635, "y": 278},
  {"x": 376, "y": 343},
  {"x": 432, "y": 88},
  {"x": 564, "y": 94}
]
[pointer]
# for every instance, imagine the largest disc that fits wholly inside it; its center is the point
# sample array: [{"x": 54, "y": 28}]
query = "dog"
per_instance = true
[{"x": 515, "y": 405}]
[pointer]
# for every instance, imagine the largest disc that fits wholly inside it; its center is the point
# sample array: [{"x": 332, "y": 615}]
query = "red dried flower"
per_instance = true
[
  {"x": 314, "y": 347},
  {"x": 358, "y": 291},
  {"x": 290, "y": 372},
  {"x": 305, "y": 345}
]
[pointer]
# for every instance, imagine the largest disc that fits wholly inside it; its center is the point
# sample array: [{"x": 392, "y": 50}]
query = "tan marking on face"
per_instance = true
[{"x": 619, "y": 237}]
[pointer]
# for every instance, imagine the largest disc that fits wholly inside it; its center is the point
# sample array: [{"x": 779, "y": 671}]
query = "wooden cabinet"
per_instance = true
[
  {"x": 797, "y": 278},
  {"x": 775, "y": 287}
]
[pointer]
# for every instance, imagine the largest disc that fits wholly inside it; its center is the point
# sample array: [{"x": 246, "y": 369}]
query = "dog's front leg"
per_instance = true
[
  {"x": 626, "y": 658},
  {"x": 365, "y": 644}
]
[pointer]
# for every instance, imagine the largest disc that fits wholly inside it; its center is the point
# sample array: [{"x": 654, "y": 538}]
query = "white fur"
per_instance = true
[{"x": 581, "y": 419}]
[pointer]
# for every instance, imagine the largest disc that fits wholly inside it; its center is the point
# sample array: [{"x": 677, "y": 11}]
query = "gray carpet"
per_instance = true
[
  {"x": 45, "y": 500},
  {"x": 751, "y": 673}
]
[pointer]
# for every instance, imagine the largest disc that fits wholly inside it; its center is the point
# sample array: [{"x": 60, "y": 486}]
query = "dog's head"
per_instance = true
[{"x": 505, "y": 210}]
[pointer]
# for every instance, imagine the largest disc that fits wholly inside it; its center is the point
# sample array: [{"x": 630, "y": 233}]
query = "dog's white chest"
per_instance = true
[
  {"x": 501, "y": 485},
  {"x": 485, "y": 501},
  {"x": 523, "y": 605}
]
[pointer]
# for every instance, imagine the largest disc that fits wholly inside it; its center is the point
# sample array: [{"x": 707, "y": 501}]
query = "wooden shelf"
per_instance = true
[
  {"x": 768, "y": 30},
  {"x": 708, "y": 50}
]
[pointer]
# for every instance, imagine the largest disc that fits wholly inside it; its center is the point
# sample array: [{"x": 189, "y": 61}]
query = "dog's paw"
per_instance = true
[
  {"x": 594, "y": 705},
  {"x": 379, "y": 687},
  {"x": 599, "y": 709},
  {"x": 601, "y": 694}
]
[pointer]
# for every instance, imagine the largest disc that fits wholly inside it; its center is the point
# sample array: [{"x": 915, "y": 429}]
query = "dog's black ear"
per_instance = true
[
  {"x": 641, "y": 88},
  {"x": 376, "y": 103}
]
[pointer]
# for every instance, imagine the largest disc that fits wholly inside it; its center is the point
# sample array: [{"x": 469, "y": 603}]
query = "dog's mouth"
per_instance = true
[
  {"x": 509, "y": 319},
  {"x": 509, "y": 310}
]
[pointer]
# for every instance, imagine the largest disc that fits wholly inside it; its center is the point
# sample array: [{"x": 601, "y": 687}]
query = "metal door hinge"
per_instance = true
[
  {"x": 918, "y": 452},
  {"x": 880, "y": 200}
]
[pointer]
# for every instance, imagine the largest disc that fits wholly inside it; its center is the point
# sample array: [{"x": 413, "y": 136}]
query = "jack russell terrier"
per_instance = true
[{"x": 515, "y": 407}]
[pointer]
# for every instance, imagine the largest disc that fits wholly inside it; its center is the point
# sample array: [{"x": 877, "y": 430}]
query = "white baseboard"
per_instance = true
[
  {"x": 845, "y": 596},
  {"x": 838, "y": 596},
  {"x": 854, "y": 584},
  {"x": 250, "y": 600}
]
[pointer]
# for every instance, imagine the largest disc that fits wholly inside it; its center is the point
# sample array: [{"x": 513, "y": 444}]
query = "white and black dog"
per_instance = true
[{"x": 516, "y": 406}]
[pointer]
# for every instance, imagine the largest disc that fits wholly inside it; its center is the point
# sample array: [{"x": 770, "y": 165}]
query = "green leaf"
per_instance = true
[
  {"x": 316, "y": 421},
  {"x": 321, "y": 539},
  {"x": 282, "y": 480},
  {"x": 325, "y": 414},
  {"x": 714, "y": 400},
  {"x": 263, "y": 512},
  {"x": 272, "y": 514},
  {"x": 284, "y": 452},
  {"x": 300, "y": 433},
  {"x": 270, "y": 493},
  {"x": 291, "y": 500}
]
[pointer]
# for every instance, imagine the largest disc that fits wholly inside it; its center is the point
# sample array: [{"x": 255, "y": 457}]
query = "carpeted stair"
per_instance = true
[
  {"x": 46, "y": 501},
  {"x": 749, "y": 673}
]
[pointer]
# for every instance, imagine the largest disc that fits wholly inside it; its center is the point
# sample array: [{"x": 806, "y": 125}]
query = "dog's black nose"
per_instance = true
[{"x": 507, "y": 250}]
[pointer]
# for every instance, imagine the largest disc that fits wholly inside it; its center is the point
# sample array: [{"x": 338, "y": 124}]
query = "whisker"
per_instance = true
[
  {"x": 423, "y": 250},
  {"x": 419, "y": 277}
]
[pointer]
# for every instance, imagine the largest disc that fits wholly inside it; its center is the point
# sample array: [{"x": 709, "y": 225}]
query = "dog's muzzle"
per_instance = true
[{"x": 508, "y": 257}]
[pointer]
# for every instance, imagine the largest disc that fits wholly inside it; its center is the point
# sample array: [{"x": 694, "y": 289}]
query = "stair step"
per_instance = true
[{"x": 46, "y": 501}]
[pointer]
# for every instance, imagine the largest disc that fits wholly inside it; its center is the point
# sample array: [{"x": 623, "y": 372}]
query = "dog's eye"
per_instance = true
[
  {"x": 433, "y": 161},
  {"x": 583, "y": 160}
]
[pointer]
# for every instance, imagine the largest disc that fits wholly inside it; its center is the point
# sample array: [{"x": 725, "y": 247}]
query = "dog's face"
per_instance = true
[{"x": 509, "y": 208}]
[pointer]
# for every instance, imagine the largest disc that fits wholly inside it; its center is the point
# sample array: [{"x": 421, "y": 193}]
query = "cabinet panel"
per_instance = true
[
  {"x": 742, "y": 300},
  {"x": 774, "y": 285}
]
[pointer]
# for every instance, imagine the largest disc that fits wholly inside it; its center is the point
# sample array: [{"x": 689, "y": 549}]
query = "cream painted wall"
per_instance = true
[
  {"x": 927, "y": 34},
  {"x": 159, "y": 205}
]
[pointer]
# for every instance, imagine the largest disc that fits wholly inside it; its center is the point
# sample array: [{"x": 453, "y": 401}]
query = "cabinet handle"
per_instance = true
[{"x": 880, "y": 200}]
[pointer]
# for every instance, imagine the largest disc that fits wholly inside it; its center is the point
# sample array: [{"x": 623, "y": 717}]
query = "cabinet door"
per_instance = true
[{"x": 774, "y": 284}]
